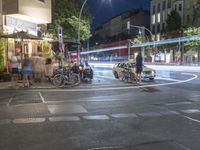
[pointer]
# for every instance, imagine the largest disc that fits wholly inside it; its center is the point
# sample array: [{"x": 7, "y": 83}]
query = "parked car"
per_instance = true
[{"x": 147, "y": 73}]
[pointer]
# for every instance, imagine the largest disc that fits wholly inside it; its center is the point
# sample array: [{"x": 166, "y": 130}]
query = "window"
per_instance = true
[
  {"x": 158, "y": 28},
  {"x": 180, "y": 7},
  {"x": 154, "y": 9},
  {"x": 153, "y": 29},
  {"x": 175, "y": 7},
  {"x": 153, "y": 19},
  {"x": 164, "y": 5},
  {"x": 169, "y": 4},
  {"x": 163, "y": 26},
  {"x": 158, "y": 9},
  {"x": 158, "y": 18}
]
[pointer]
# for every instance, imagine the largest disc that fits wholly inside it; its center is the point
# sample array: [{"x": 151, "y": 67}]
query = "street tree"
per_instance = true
[
  {"x": 173, "y": 21},
  {"x": 65, "y": 14},
  {"x": 195, "y": 44}
]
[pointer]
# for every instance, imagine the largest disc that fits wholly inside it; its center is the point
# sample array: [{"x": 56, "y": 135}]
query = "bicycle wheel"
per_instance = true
[
  {"x": 58, "y": 80},
  {"x": 75, "y": 79}
]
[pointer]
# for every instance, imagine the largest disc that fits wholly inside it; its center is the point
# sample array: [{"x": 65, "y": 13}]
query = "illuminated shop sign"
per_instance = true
[{"x": 18, "y": 23}]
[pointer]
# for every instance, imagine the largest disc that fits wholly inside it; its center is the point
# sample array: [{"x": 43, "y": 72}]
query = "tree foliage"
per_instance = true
[
  {"x": 65, "y": 14},
  {"x": 2, "y": 51},
  {"x": 173, "y": 21},
  {"x": 195, "y": 44}
]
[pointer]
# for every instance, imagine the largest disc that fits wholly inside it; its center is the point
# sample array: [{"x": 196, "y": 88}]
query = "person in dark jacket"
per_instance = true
[{"x": 139, "y": 67}]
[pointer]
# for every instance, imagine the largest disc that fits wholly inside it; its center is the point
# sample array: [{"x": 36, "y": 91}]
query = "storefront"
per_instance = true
[{"x": 24, "y": 16}]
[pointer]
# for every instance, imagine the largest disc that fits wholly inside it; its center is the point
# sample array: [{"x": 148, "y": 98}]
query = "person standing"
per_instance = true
[
  {"x": 139, "y": 67},
  {"x": 15, "y": 64},
  {"x": 27, "y": 71}
]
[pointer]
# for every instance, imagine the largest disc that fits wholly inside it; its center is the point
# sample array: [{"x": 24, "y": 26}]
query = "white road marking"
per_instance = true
[
  {"x": 195, "y": 120},
  {"x": 124, "y": 115},
  {"x": 64, "y": 118},
  {"x": 96, "y": 117},
  {"x": 178, "y": 103},
  {"x": 42, "y": 98},
  {"x": 107, "y": 148},
  {"x": 10, "y": 100},
  {"x": 191, "y": 111},
  {"x": 28, "y": 120}
]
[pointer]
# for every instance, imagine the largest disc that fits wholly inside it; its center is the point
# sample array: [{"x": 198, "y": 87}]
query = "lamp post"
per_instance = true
[{"x": 79, "y": 27}]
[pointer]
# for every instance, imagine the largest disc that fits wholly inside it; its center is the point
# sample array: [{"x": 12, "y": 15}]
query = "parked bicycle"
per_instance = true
[{"x": 65, "y": 77}]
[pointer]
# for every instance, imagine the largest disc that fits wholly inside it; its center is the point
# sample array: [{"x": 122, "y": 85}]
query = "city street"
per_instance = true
[{"x": 108, "y": 114}]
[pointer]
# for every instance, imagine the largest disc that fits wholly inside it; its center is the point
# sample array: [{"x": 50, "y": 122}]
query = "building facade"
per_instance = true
[
  {"x": 118, "y": 24},
  {"x": 160, "y": 9}
]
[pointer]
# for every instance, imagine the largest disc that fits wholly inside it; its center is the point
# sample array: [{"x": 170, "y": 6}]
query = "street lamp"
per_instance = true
[{"x": 79, "y": 27}]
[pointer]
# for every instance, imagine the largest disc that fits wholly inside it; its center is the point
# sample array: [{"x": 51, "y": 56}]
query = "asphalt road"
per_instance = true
[{"x": 105, "y": 115}]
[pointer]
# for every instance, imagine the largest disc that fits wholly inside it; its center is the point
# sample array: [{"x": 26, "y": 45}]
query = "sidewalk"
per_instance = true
[{"x": 11, "y": 85}]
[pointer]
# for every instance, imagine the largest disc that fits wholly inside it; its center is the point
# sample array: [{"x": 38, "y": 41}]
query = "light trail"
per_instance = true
[{"x": 168, "y": 41}]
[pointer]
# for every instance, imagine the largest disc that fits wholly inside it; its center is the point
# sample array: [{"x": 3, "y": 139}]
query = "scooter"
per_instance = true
[{"x": 86, "y": 74}]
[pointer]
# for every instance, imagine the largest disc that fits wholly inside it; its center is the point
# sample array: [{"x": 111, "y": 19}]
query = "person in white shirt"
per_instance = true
[{"x": 15, "y": 64}]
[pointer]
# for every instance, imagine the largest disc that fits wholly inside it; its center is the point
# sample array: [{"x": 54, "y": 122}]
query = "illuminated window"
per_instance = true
[
  {"x": 153, "y": 19},
  {"x": 158, "y": 17}
]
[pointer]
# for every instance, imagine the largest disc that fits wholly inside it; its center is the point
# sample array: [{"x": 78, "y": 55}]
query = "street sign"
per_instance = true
[{"x": 60, "y": 38}]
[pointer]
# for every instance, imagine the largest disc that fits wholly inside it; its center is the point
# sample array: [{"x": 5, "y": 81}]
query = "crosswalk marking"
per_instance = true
[{"x": 68, "y": 118}]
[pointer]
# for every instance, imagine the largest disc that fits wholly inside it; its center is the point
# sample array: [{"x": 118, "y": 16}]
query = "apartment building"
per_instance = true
[
  {"x": 118, "y": 24},
  {"x": 161, "y": 8},
  {"x": 26, "y": 15}
]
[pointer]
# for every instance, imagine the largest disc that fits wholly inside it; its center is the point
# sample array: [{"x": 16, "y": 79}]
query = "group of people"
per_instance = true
[{"x": 30, "y": 69}]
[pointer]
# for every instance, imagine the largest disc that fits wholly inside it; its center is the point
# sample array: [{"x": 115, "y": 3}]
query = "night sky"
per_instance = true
[{"x": 103, "y": 10}]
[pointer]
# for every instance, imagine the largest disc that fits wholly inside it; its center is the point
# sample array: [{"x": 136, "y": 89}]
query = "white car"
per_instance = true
[{"x": 146, "y": 73}]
